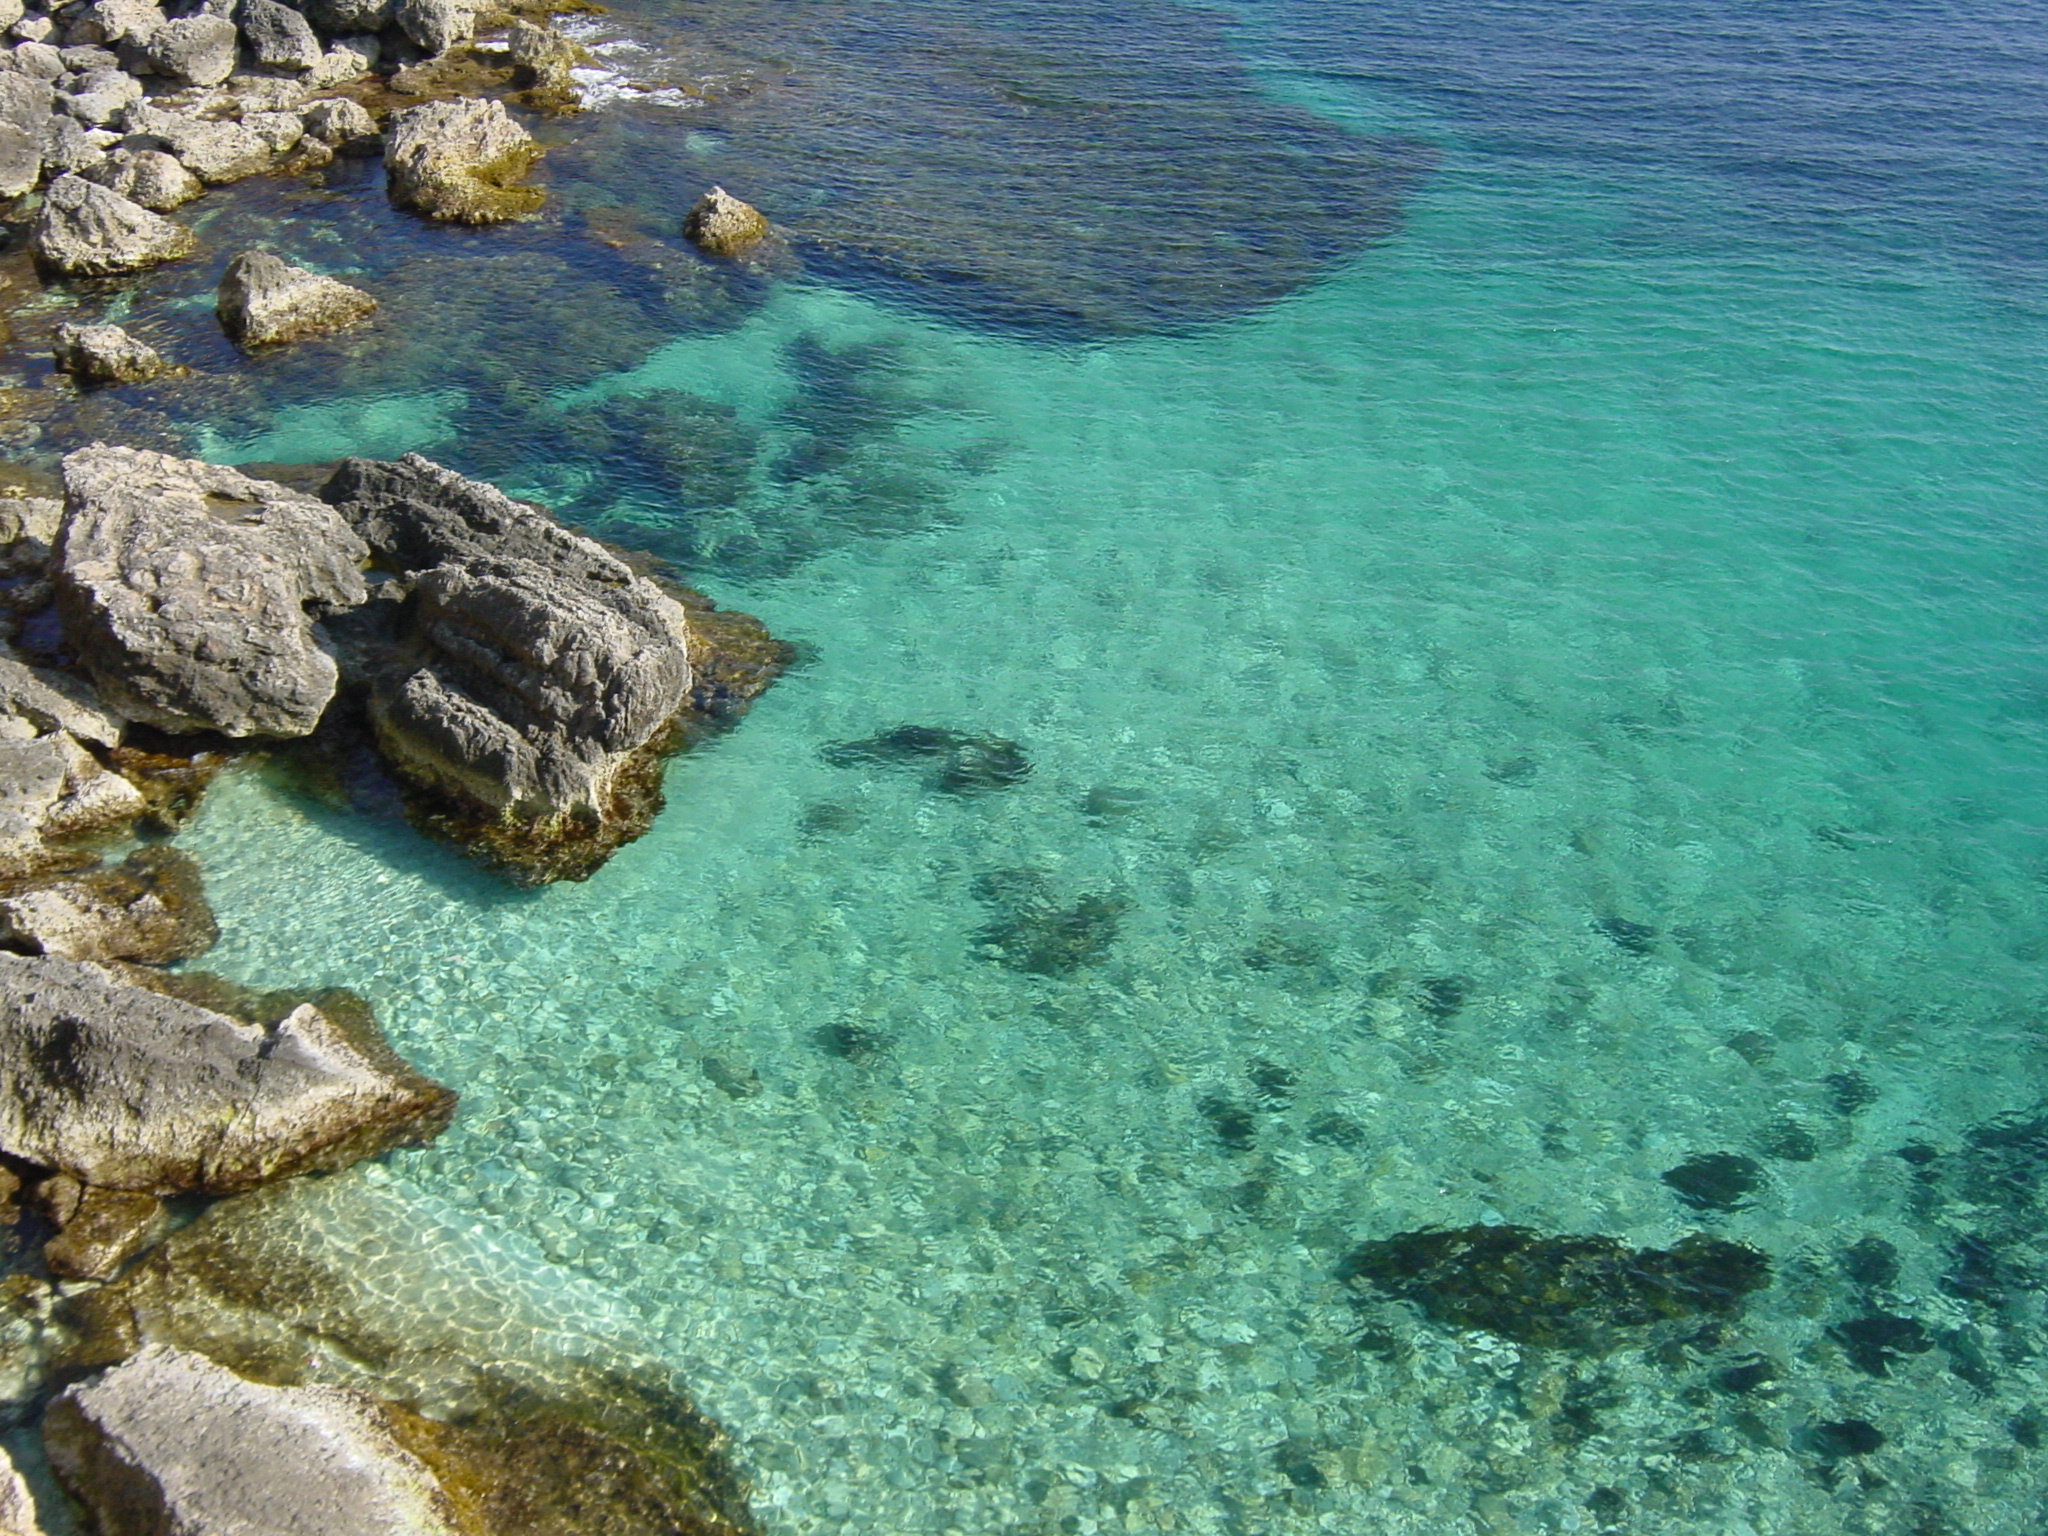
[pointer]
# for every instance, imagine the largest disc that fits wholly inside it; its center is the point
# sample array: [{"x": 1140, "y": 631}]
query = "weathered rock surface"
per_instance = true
[
  {"x": 106, "y": 354},
  {"x": 264, "y": 301},
  {"x": 343, "y": 125},
  {"x": 17, "y": 1506},
  {"x": 278, "y": 36},
  {"x": 343, "y": 17},
  {"x": 214, "y": 152},
  {"x": 721, "y": 225},
  {"x": 541, "y": 62},
  {"x": 150, "y": 908},
  {"x": 98, "y": 98},
  {"x": 170, "y": 1442},
  {"x": 152, "y": 178},
  {"x": 53, "y": 790},
  {"x": 461, "y": 161},
  {"x": 436, "y": 25},
  {"x": 549, "y": 1410},
  {"x": 26, "y": 100},
  {"x": 100, "y": 1229},
  {"x": 21, "y": 160},
  {"x": 85, "y": 230},
  {"x": 126, "y": 1088},
  {"x": 189, "y": 592},
  {"x": 536, "y": 676},
  {"x": 195, "y": 50}
]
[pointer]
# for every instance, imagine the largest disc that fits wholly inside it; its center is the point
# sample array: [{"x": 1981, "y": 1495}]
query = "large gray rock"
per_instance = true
[
  {"x": 171, "y": 1444},
  {"x": 39, "y": 61},
  {"x": 215, "y": 152},
  {"x": 195, "y": 50},
  {"x": 537, "y": 675},
  {"x": 21, "y": 160},
  {"x": 68, "y": 145},
  {"x": 460, "y": 161},
  {"x": 53, "y": 791},
  {"x": 100, "y": 97},
  {"x": 106, "y": 354},
  {"x": 25, "y": 101},
  {"x": 152, "y": 178},
  {"x": 351, "y": 58},
  {"x": 150, "y": 908},
  {"x": 114, "y": 21},
  {"x": 721, "y": 225},
  {"x": 85, "y": 230},
  {"x": 264, "y": 300},
  {"x": 189, "y": 591},
  {"x": 278, "y": 36},
  {"x": 343, "y": 125},
  {"x": 123, "y": 1087},
  {"x": 11, "y": 11},
  {"x": 436, "y": 25}
]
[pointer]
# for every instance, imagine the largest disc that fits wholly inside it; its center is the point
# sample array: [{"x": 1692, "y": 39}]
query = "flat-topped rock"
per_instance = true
[
  {"x": 106, "y": 354},
  {"x": 189, "y": 592},
  {"x": 170, "y": 1442},
  {"x": 86, "y": 230},
  {"x": 265, "y": 301},
  {"x": 124, "y": 1087}
]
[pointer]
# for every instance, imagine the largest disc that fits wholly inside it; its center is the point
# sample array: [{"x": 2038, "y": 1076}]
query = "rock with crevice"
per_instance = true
[
  {"x": 189, "y": 592},
  {"x": 122, "y": 1086},
  {"x": 150, "y": 908},
  {"x": 264, "y": 301},
  {"x": 170, "y": 1442},
  {"x": 215, "y": 152},
  {"x": 153, "y": 178},
  {"x": 106, "y": 354},
  {"x": 68, "y": 145},
  {"x": 461, "y": 162},
  {"x": 86, "y": 230},
  {"x": 194, "y": 50},
  {"x": 98, "y": 98},
  {"x": 537, "y": 681}
]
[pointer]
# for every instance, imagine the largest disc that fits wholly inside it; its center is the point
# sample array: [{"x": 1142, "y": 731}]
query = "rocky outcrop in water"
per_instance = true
[
  {"x": 119, "y": 1085},
  {"x": 86, "y": 230},
  {"x": 461, "y": 161},
  {"x": 536, "y": 681},
  {"x": 265, "y": 301},
  {"x": 106, "y": 354},
  {"x": 54, "y": 789},
  {"x": 151, "y": 908},
  {"x": 190, "y": 592},
  {"x": 169, "y": 1441},
  {"x": 721, "y": 225}
]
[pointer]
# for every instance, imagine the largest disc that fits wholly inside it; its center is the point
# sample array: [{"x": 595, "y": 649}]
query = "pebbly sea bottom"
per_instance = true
[{"x": 1559, "y": 697}]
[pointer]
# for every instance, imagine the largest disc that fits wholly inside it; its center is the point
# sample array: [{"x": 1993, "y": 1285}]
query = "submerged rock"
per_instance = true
[
  {"x": 721, "y": 225},
  {"x": 190, "y": 592},
  {"x": 1034, "y": 932},
  {"x": 1583, "y": 1293},
  {"x": 86, "y": 230},
  {"x": 150, "y": 908},
  {"x": 122, "y": 1086},
  {"x": 461, "y": 161},
  {"x": 537, "y": 682},
  {"x": 106, "y": 354},
  {"x": 264, "y": 301},
  {"x": 961, "y": 762},
  {"x": 529, "y": 1393},
  {"x": 169, "y": 1441}
]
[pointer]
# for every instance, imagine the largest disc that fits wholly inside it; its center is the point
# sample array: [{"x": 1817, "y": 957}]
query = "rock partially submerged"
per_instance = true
[
  {"x": 533, "y": 1396},
  {"x": 150, "y": 908},
  {"x": 190, "y": 591},
  {"x": 537, "y": 681},
  {"x": 123, "y": 1086},
  {"x": 86, "y": 230},
  {"x": 169, "y": 1441},
  {"x": 264, "y": 301},
  {"x": 461, "y": 161},
  {"x": 106, "y": 354},
  {"x": 721, "y": 225},
  {"x": 54, "y": 789}
]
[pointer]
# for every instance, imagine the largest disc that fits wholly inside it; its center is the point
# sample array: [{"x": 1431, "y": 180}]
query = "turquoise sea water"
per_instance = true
[{"x": 1644, "y": 532}]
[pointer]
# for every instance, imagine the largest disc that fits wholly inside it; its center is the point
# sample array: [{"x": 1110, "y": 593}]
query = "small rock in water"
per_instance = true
[
  {"x": 1872, "y": 1343},
  {"x": 1753, "y": 1046},
  {"x": 1871, "y": 1264},
  {"x": 827, "y": 819},
  {"x": 1084, "y": 1364},
  {"x": 1849, "y": 1092},
  {"x": 721, "y": 225},
  {"x": 733, "y": 1076},
  {"x": 1233, "y": 1125},
  {"x": 962, "y": 763},
  {"x": 1033, "y": 933},
  {"x": 851, "y": 1041},
  {"x": 1443, "y": 996},
  {"x": 1336, "y": 1130},
  {"x": 1634, "y": 937},
  {"x": 265, "y": 301},
  {"x": 1107, "y": 803},
  {"x": 106, "y": 354},
  {"x": 1716, "y": 1181},
  {"x": 1844, "y": 1438},
  {"x": 1790, "y": 1141},
  {"x": 1272, "y": 1084}
]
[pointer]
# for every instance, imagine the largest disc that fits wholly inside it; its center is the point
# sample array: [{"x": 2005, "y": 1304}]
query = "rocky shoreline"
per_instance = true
[{"x": 206, "y": 1340}]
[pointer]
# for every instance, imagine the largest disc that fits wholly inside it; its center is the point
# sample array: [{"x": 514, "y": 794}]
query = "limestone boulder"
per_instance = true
[
  {"x": 37, "y": 60},
  {"x": 54, "y": 789},
  {"x": 99, "y": 1229},
  {"x": 150, "y": 908},
  {"x": 189, "y": 592},
  {"x": 123, "y": 1087},
  {"x": 26, "y": 99},
  {"x": 720, "y": 224},
  {"x": 21, "y": 160},
  {"x": 264, "y": 301},
  {"x": 215, "y": 152},
  {"x": 114, "y": 21},
  {"x": 461, "y": 161},
  {"x": 278, "y": 36},
  {"x": 86, "y": 230},
  {"x": 435, "y": 25},
  {"x": 194, "y": 50},
  {"x": 100, "y": 97},
  {"x": 343, "y": 125},
  {"x": 106, "y": 354},
  {"x": 153, "y": 178},
  {"x": 170, "y": 1442}
]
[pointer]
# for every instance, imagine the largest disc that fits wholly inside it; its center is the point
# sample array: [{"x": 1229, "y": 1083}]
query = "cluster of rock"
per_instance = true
[{"x": 127, "y": 113}]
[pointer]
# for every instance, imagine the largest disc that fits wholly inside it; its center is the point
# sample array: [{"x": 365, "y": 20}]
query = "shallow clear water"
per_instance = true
[{"x": 1648, "y": 530}]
